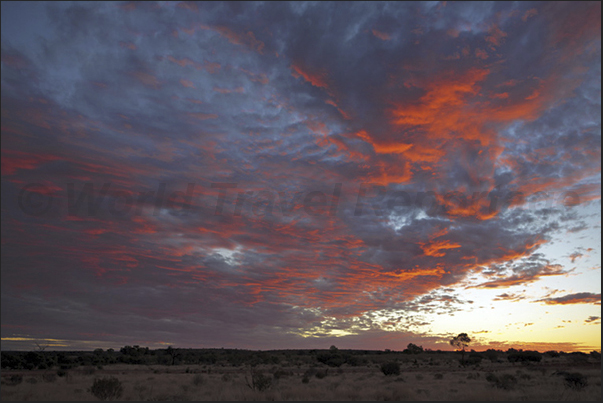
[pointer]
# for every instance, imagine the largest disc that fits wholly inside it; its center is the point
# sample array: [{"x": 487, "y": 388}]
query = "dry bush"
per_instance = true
[
  {"x": 390, "y": 368},
  {"x": 258, "y": 381},
  {"x": 88, "y": 371},
  {"x": 281, "y": 373},
  {"x": 576, "y": 381},
  {"x": 198, "y": 380},
  {"x": 504, "y": 381},
  {"x": 49, "y": 377},
  {"x": 109, "y": 388},
  {"x": 14, "y": 380},
  {"x": 321, "y": 374}
]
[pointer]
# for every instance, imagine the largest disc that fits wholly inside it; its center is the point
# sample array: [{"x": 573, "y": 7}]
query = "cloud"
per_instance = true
[
  {"x": 593, "y": 319},
  {"x": 509, "y": 297},
  {"x": 381, "y": 35},
  {"x": 427, "y": 108},
  {"x": 578, "y": 298},
  {"x": 523, "y": 271}
]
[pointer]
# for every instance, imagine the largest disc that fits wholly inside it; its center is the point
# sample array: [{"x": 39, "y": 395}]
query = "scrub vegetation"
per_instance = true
[{"x": 138, "y": 373}]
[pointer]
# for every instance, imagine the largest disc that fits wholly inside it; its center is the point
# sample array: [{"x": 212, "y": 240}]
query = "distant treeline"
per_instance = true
[{"x": 332, "y": 357}]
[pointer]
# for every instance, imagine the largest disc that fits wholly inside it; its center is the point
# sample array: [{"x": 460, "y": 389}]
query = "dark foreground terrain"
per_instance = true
[{"x": 136, "y": 373}]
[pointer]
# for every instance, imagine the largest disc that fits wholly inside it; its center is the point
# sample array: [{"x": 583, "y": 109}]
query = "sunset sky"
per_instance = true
[{"x": 299, "y": 175}]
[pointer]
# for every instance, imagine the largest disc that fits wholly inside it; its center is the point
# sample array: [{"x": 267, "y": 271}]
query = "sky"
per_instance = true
[{"x": 301, "y": 175}]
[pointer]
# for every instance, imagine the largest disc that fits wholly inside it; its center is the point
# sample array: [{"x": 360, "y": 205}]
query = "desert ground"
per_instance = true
[{"x": 421, "y": 377}]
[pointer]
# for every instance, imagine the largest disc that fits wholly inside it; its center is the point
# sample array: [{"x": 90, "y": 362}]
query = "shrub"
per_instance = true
[
  {"x": 576, "y": 381},
  {"x": 49, "y": 377},
  {"x": 106, "y": 388},
  {"x": 505, "y": 381},
  {"x": 578, "y": 357},
  {"x": 259, "y": 381},
  {"x": 354, "y": 361},
  {"x": 473, "y": 359},
  {"x": 320, "y": 374},
  {"x": 305, "y": 379},
  {"x": 88, "y": 371},
  {"x": 61, "y": 373},
  {"x": 438, "y": 376},
  {"x": 390, "y": 368},
  {"x": 524, "y": 356},
  {"x": 332, "y": 359},
  {"x": 15, "y": 379},
  {"x": 491, "y": 355},
  {"x": 198, "y": 380},
  {"x": 525, "y": 377},
  {"x": 281, "y": 373},
  {"x": 413, "y": 349}
]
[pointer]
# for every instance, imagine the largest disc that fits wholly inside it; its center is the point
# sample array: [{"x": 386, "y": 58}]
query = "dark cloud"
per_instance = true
[
  {"x": 578, "y": 298},
  {"x": 474, "y": 128},
  {"x": 593, "y": 319},
  {"x": 509, "y": 297}
]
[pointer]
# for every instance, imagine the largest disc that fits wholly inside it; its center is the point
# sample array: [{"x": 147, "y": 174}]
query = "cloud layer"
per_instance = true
[{"x": 368, "y": 157}]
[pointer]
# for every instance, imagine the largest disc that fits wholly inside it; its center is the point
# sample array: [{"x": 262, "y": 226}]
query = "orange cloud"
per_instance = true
[
  {"x": 247, "y": 39},
  {"x": 185, "y": 62},
  {"x": 383, "y": 148},
  {"x": 571, "y": 30},
  {"x": 212, "y": 67},
  {"x": 529, "y": 13},
  {"x": 187, "y": 83},
  {"x": 188, "y": 5},
  {"x": 147, "y": 79},
  {"x": 481, "y": 54},
  {"x": 316, "y": 79},
  {"x": 503, "y": 95},
  {"x": 495, "y": 36},
  {"x": 381, "y": 35},
  {"x": 238, "y": 90},
  {"x": 256, "y": 77},
  {"x": 128, "y": 45},
  {"x": 203, "y": 116},
  {"x": 434, "y": 248},
  {"x": 13, "y": 160},
  {"x": 343, "y": 113},
  {"x": 524, "y": 278},
  {"x": 453, "y": 32}
]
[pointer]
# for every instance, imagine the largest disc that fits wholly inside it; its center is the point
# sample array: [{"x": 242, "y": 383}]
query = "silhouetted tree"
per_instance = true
[
  {"x": 461, "y": 342},
  {"x": 413, "y": 349},
  {"x": 173, "y": 353}
]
